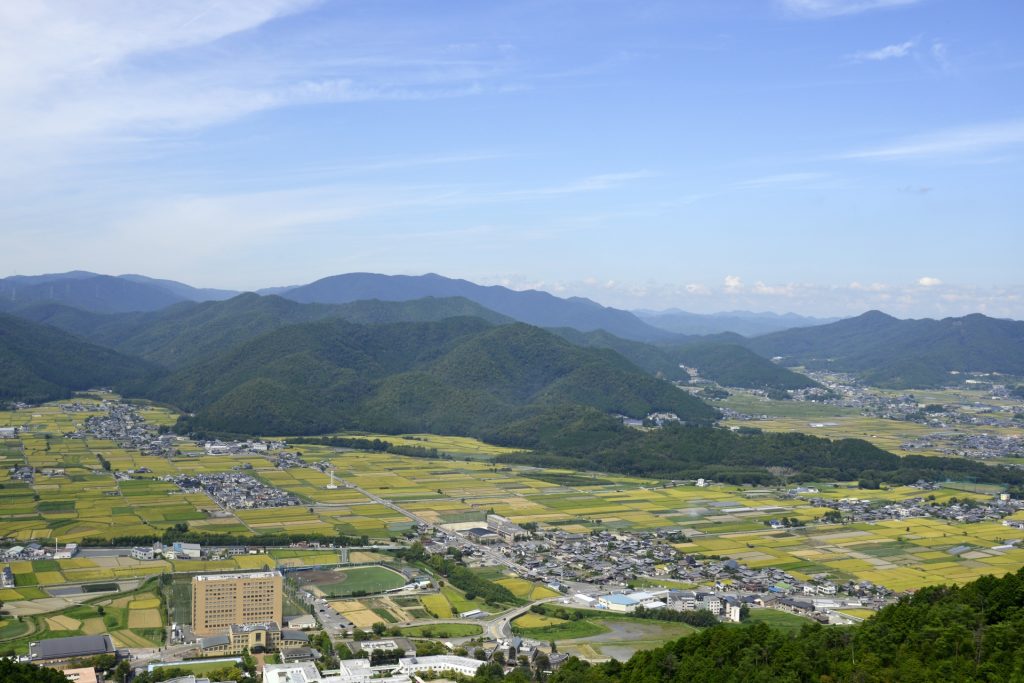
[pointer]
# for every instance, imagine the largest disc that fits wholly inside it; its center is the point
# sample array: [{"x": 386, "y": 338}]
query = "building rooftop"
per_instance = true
[
  {"x": 75, "y": 646},
  {"x": 228, "y": 577},
  {"x": 296, "y": 672},
  {"x": 213, "y": 641},
  {"x": 619, "y": 599},
  {"x": 246, "y": 628}
]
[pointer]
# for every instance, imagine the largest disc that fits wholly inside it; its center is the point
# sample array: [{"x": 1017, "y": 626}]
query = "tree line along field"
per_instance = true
[{"x": 724, "y": 520}]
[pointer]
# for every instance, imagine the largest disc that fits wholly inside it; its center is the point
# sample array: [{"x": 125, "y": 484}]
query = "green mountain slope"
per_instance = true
[
  {"x": 459, "y": 375},
  {"x": 720, "y": 360},
  {"x": 972, "y": 633},
  {"x": 732, "y": 365},
  {"x": 40, "y": 363},
  {"x": 188, "y": 332},
  {"x": 889, "y": 352}
]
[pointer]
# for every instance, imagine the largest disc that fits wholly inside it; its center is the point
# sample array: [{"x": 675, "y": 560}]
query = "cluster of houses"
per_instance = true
[
  {"x": 976, "y": 446},
  {"x": 968, "y": 510},
  {"x": 240, "y": 447},
  {"x": 601, "y": 557},
  {"x": 123, "y": 425},
  {"x": 177, "y": 550},
  {"x": 234, "y": 490},
  {"x": 36, "y": 551}
]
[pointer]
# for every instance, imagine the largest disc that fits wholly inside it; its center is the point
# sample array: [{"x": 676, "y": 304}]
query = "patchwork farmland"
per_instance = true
[{"x": 71, "y": 497}]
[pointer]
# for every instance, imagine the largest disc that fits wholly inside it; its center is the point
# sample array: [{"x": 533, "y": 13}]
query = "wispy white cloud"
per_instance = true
[
  {"x": 940, "y": 54},
  {"x": 816, "y": 9},
  {"x": 77, "y": 77},
  {"x": 929, "y": 281},
  {"x": 895, "y": 51},
  {"x": 965, "y": 141},
  {"x": 797, "y": 179},
  {"x": 603, "y": 181}
]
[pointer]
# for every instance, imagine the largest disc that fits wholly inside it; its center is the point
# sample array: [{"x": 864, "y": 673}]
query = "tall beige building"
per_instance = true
[{"x": 220, "y": 600}]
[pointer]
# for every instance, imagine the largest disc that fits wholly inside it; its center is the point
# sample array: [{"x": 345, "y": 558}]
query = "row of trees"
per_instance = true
[
  {"x": 470, "y": 582},
  {"x": 181, "y": 532}
]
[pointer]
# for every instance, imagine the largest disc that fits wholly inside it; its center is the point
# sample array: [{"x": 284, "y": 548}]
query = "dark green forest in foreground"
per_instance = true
[{"x": 941, "y": 633}]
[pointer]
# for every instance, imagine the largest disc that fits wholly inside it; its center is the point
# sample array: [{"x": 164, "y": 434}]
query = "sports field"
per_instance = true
[{"x": 351, "y": 581}]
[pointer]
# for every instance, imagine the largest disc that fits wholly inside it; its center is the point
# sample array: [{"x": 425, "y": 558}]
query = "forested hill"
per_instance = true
[
  {"x": 531, "y": 306},
  {"x": 189, "y": 332},
  {"x": 889, "y": 352},
  {"x": 40, "y": 363},
  {"x": 974, "y": 633},
  {"x": 455, "y": 376},
  {"x": 584, "y": 440},
  {"x": 727, "y": 363},
  {"x": 733, "y": 365}
]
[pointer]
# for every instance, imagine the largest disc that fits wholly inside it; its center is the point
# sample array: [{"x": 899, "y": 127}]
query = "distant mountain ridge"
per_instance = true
[
  {"x": 744, "y": 323},
  {"x": 889, "y": 352},
  {"x": 188, "y": 332},
  {"x": 530, "y": 306},
  {"x": 100, "y": 293}
]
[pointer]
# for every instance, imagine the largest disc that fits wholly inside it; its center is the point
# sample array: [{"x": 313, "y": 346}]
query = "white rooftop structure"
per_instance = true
[
  {"x": 348, "y": 671},
  {"x": 225, "y": 577},
  {"x": 467, "y": 666}
]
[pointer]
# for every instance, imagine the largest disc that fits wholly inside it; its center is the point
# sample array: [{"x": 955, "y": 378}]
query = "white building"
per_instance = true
[
  {"x": 348, "y": 671},
  {"x": 67, "y": 552},
  {"x": 466, "y": 666},
  {"x": 304, "y": 622},
  {"x": 144, "y": 553},
  {"x": 732, "y": 609},
  {"x": 617, "y": 602},
  {"x": 190, "y": 551}
]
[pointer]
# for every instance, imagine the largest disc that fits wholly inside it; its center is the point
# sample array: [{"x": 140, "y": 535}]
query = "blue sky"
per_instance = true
[{"x": 817, "y": 156}]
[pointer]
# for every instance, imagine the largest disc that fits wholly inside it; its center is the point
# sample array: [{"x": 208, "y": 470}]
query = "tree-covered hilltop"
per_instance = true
[
  {"x": 727, "y": 363},
  {"x": 971, "y": 633},
  {"x": 455, "y": 376},
  {"x": 39, "y": 363},
  {"x": 733, "y": 365},
  {"x": 190, "y": 332},
  {"x": 586, "y": 440},
  {"x": 889, "y": 352}
]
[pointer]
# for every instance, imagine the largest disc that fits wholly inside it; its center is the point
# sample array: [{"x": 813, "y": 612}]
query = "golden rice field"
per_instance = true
[{"x": 84, "y": 501}]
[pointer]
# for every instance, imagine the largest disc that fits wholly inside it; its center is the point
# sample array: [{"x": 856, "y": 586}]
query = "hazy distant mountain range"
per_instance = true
[
  {"x": 887, "y": 351},
  {"x": 541, "y": 373},
  {"x": 175, "y": 326},
  {"x": 134, "y": 293},
  {"x": 741, "y": 322}
]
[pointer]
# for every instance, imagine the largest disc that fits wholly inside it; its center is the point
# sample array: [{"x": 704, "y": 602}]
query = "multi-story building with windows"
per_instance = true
[{"x": 223, "y": 600}]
